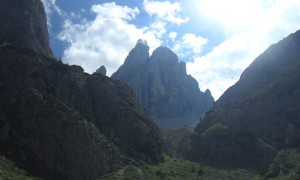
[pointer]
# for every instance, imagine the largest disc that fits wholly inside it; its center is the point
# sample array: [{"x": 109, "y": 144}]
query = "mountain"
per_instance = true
[
  {"x": 163, "y": 87},
  {"x": 257, "y": 116},
  {"x": 25, "y": 27},
  {"x": 101, "y": 70},
  {"x": 57, "y": 122}
]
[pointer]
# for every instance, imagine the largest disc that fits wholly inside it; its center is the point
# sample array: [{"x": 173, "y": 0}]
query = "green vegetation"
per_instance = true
[
  {"x": 286, "y": 165},
  {"x": 176, "y": 141},
  {"x": 173, "y": 168},
  {"x": 215, "y": 127},
  {"x": 9, "y": 171}
]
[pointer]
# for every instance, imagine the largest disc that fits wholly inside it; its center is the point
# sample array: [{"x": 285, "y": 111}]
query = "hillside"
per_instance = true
[{"x": 257, "y": 116}]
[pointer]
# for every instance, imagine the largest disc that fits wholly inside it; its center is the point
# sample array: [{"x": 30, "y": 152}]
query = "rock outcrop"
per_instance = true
[
  {"x": 258, "y": 115},
  {"x": 58, "y": 122},
  {"x": 163, "y": 87},
  {"x": 101, "y": 70},
  {"x": 24, "y": 24}
]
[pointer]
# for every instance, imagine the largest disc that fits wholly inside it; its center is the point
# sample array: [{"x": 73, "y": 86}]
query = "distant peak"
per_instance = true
[
  {"x": 207, "y": 91},
  {"x": 142, "y": 42},
  {"x": 164, "y": 49},
  {"x": 101, "y": 70},
  {"x": 165, "y": 54}
]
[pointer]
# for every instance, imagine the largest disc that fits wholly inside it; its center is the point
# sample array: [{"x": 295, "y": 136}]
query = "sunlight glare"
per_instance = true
[{"x": 233, "y": 14}]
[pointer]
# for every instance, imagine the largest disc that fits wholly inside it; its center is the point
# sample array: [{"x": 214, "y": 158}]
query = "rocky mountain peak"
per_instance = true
[
  {"x": 207, "y": 92},
  {"x": 141, "y": 48},
  {"x": 165, "y": 54},
  {"x": 26, "y": 27},
  {"x": 136, "y": 60},
  {"x": 163, "y": 87},
  {"x": 142, "y": 43},
  {"x": 139, "y": 53},
  {"x": 164, "y": 58},
  {"x": 101, "y": 70}
]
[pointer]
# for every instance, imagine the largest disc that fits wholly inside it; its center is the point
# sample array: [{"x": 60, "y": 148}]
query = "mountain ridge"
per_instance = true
[
  {"x": 262, "y": 106},
  {"x": 163, "y": 87}
]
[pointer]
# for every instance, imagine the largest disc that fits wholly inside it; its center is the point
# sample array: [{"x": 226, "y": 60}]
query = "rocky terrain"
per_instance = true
[
  {"x": 256, "y": 117},
  {"x": 57, "y": 122},
  {"x": 163, "y": 87},
  {"x": 23, "y": 24}
]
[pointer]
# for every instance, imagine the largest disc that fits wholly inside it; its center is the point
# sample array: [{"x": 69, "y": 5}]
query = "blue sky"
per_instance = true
[{"x": 218, "y": 39}]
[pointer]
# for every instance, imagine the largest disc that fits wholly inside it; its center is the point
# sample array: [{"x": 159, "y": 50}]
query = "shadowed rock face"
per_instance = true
[
  {"x": 260, "y": 112},
  {"x": 162, "y": 86},
  {"x": 101, "y": 70},
  {"x": 58, "y": 122},
  {"x": 24, "y": 24}
]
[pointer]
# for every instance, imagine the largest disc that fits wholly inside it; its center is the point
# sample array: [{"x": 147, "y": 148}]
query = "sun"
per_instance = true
[{"x": 233, "y": 14}]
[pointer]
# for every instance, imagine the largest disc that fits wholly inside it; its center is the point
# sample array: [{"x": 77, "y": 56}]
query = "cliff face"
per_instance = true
[
  {"x": 161, "y": 84},
  {"x": 258, "y": 115},
  {"x": 24, "y": 24},
  {"x": 58, "y": 122}
]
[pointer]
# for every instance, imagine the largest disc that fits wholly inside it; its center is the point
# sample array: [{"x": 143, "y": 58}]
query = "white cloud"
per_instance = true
[
  {"x": 189, "y": 46},
  {"x": 173, "y": 35},
  {"x": 50, "y": 8},
  {"x": 106, "y": 40},
  {"x": 113, "y": 11},
  {"x": 221, "y": 68},
  {"x": 164, "y": 11},
  {"x": 233, "y": 14}
]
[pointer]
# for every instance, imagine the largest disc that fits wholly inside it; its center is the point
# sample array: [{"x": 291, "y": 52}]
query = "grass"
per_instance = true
[
  {"x": 9, "y": 171},
  {"x": 174, "y": 169},
  {"x": 215, "y": 127},
  {"x": 287, "y": 165}
]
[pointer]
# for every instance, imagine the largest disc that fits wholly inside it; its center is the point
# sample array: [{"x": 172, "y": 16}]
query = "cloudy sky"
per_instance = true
[{"x": 218, "y": 39}]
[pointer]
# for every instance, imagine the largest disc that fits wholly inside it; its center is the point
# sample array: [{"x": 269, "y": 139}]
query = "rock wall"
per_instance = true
[{"x": 24, "y": 24}]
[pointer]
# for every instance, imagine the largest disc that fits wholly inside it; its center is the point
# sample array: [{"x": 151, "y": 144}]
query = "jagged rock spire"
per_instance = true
[{"x": 163, "y": 87}]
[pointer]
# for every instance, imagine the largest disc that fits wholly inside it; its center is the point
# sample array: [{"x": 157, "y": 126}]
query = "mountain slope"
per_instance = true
[
  {"x": 162, "y": 86},
  {"x": 258, "y": 115},
  {"x": 57, "y": 122}
]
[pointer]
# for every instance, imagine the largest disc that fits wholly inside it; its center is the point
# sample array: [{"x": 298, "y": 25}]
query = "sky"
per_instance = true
[{"x": 217, "y": 39}]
